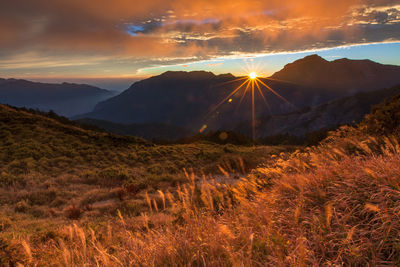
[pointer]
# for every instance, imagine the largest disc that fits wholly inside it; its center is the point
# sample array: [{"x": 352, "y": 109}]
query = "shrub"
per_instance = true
[
  {"x": 384, "y": 118},
  {"x": 73, "y": 212},
  {"x": 111, "y": 176},
  {"x": 21, "y": 206}
]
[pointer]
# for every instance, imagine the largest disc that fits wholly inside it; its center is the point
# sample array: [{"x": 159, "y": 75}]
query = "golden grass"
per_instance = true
[{"x": 332, "y": 205}]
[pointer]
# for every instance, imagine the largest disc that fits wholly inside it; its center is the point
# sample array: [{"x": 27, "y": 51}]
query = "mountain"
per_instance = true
[
  {"x": 66, "y": 99},
  {"x": 326, "y": 116},
  {"x": 184, "y": 99},
  {"x": 342, "y": 75},
  {"x": 338, "y": 112}
]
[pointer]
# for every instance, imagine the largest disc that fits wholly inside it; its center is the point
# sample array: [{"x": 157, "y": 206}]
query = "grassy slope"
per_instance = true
[
  {"x": 335, "y": 204},
  {"x": 52, "y": 172}
]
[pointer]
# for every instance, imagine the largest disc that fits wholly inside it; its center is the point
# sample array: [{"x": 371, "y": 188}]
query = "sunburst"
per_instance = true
[{"x": 251, "y": 83}]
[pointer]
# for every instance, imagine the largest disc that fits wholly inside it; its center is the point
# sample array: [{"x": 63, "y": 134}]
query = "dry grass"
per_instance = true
[
  {"x": 332, "y": 205},
  {"x": 337, "y": 204}
]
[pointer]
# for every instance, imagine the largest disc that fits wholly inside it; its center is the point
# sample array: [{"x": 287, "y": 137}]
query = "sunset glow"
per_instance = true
[
  {"x": 254, "y": 85},
  {"x": 253, "y": 75},
  {"x": 132, "y": 39}
]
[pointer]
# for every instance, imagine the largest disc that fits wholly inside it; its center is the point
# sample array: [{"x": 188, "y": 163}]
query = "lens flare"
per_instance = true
[{"x": 251, "y": 83}]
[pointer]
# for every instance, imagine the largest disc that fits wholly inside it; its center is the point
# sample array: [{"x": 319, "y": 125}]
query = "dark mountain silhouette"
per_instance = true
[
  {"x": 184, "y": 99},
  {"x": 66, "y": 99},
  {"x": 327, "y": 116},
  {"x": 342, "y": 75},
  {"x": 330, "y": 115}
]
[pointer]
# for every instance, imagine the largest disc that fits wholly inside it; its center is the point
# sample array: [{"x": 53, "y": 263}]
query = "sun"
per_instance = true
[
  {"x": 252, "y": 84},
  {"x": 253, "y": 75}
]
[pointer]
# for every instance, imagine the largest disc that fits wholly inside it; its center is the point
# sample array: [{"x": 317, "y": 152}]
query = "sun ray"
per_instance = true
[
  {"x": 253, "y": 111},
  {"x": 246, "y": 68},
  {"x": 275, "y": 93},
  {"x": 226, "y": 98},
  {"x": 251, "y": 83},
  {"x": 263, "y": 97},
  {"x": 243, "y": 95},
  {"x": 228, "y": 82}
]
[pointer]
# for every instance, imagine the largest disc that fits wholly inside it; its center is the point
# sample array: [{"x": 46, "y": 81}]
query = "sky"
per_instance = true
[{"x": 113, "y": 43}]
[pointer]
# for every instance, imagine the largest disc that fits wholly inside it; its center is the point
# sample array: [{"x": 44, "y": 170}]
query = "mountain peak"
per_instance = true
[
  {"x": 341, "y": 74},
  {"x": 313, "y": 57},
  {"x": 309, "y": 60},
  {"x": 187, "y": 74}
]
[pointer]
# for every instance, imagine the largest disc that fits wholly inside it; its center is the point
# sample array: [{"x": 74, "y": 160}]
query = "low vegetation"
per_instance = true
[{"x": 134, "y": 204}]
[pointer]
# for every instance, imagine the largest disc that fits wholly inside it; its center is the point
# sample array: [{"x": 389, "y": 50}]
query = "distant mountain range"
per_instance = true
[
  {"x": 342, "y": 75},
  {"x": 183, "y": 99},
  {"x": 66, "y": 99},
  {"x": 173, "y": 105}
]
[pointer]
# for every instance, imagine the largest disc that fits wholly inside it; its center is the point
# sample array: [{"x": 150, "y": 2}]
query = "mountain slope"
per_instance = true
[
  {"x": 340, "y": 75},
  {"x": 335, "y": 113},
  {"x": 185, "y": 98},
  {"x": 66, "y": 99},
  {"x": 326, "y": 116}
]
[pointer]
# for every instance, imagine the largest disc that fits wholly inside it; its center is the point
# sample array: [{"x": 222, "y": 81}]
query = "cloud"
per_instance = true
[{"x": 150, "y": 30}]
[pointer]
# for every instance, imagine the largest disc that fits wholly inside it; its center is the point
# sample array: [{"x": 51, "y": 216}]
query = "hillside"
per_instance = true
[
  {"x": 35, "y": 143},
  {"x": 336, "y": 203},
  {"x": 343, "y": 75},
  {"x": 149, "y": 131},
  {"x": 54, "y": 171},
  {"x": 66, "y": 99}
]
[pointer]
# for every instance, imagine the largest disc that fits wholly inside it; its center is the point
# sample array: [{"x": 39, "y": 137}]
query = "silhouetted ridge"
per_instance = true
[
  {"x": 66, "y": 99},
  {"x": 184, "y": 99},
  {"x": 340, "y": 75},
  {"x": 187, "y": 75}
]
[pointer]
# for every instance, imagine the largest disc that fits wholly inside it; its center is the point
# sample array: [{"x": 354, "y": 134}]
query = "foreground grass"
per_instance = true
[
  {"x": 336, "y": 204},
  {"x": 53, "y": 173}
]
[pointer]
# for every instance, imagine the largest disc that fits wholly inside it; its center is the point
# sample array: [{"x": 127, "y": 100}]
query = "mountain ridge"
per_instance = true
[
  {"x": 184, "y": 98},
  {"x": 344, "y": 73},
  {"x": 66, "y": 99}
]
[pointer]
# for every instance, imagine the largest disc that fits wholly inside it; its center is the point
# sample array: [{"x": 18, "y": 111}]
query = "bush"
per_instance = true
[
  {"x": 111, "y": 176},
  {"x": 73, "y": 212},
  {"x": 384, "y": 118},
  {"x": 22, "y": 206}
]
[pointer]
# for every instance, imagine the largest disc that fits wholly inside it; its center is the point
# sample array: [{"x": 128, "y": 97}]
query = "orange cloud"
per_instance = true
[{"x": 181, "y": 28}]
